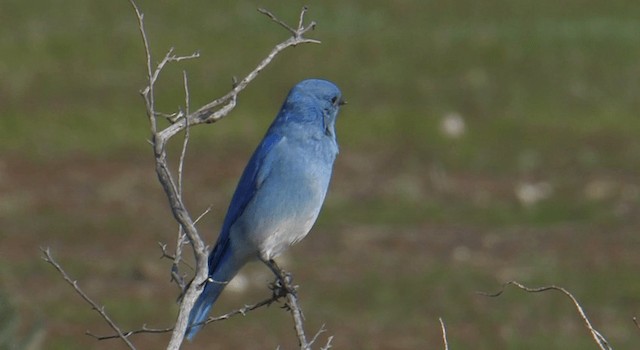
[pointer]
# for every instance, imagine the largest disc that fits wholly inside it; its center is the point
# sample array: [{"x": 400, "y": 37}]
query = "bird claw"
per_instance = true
[
  {"x": 286, "y": 307},
  {"x": 282, "y": 286},
  {"x": 281, "y": 291}
]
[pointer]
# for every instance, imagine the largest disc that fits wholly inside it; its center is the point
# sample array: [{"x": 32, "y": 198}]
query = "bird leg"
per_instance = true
[{"x": 283, "y": 284}]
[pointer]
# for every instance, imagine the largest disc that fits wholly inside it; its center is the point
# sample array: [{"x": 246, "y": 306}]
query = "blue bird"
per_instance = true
[{"x": 281, "y": 190}]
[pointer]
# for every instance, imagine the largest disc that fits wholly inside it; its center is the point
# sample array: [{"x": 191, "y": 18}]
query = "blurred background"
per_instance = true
[{"x": 484, "y": 141}]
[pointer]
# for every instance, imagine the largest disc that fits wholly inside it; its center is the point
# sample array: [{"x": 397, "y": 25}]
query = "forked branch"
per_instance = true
[
  {"x": 183, "y": 120},
  {"x": 220, "y": 107}
]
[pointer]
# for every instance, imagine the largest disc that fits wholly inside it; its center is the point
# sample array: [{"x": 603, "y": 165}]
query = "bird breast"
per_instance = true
[{"x": 286, "y": 205}]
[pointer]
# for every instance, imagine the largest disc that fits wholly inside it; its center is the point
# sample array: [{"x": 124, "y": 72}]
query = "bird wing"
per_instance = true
[{"x": 250, "y": 181}]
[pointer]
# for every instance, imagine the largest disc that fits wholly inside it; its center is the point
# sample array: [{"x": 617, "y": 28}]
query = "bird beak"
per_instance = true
[{"x": 342, "y": 102}]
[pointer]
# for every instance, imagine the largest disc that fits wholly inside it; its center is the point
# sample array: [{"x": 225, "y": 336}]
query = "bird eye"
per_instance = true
[{"x": 338, "y": 101}]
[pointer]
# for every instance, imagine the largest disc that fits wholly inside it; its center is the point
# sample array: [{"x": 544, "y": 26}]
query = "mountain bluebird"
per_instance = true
[{"x": 281, "y": 190}]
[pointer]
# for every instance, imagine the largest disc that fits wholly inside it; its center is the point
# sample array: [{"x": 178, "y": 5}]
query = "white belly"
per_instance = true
[{"x": 283, "y": 210}]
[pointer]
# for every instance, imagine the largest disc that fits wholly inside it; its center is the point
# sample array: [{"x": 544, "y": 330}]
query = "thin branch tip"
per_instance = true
[
  {"x": 597, "y": 336},
  {"x": 444, "y": 333},
  {"x": 100, "y": 309}
]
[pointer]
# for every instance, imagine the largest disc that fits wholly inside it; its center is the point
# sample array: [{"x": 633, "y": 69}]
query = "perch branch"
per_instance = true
[
  {"x": 597, "y": 337},
  {"x": 240, "y": 311},
  {"x": 285, "y": 287},
  {"x": 281, "y": 288}
]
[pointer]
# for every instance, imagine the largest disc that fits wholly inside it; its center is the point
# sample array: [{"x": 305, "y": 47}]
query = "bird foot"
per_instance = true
[{"x": 283, "y": 286}]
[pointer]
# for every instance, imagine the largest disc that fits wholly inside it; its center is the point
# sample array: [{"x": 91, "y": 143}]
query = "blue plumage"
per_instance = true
[{"x": 281, "y": 190}]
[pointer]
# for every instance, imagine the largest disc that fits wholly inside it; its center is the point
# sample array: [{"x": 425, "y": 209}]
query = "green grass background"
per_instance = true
[{"x": 416, "y": 221}]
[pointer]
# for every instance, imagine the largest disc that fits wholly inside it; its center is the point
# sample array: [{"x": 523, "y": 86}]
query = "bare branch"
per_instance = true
[
  {"x": 327, "y": 346},
  {"x": 597, "y": 337},
  {"x": 147, "y": 51},
  {"x": 297, "y": 32},
  {"x": 298, "y": 319},
  {"x": 301, "y": 28},
  {"x": 315, "y": 338},
  {"x": 144, "y": 329},
  {"x": 171, "y": 117},
  {"x": 203, "y": 214},
  {"x": 212, "y": 112},
  {"x": 243, "y": 310},
  {"x": 175, "y": 270},
  {"x": 240, "y": 311},
  {"x": 165, "y": 254},
  {"x": 172, "y": 191},
  {"x": 185, "y": 142},
  {"x": 208, "y": 113},
  {"x": 275, "y": 19},
  {"x": 283, "y": 286},
  {"x": 444, "y": 334},
  {"x": 175, "y": 274},
  {"x": 177, "y": 258},
  {"x": 100, "y": 309}
]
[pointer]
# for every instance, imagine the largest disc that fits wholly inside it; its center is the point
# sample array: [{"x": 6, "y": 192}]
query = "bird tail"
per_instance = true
[{"x": 222, "y": 275}]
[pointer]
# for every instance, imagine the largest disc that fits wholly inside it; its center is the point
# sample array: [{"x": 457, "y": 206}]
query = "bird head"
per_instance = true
[{"x": 314, "y": 101}]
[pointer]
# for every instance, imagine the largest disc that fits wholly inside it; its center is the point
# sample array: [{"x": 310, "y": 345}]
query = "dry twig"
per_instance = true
[
  {"x": 241, "y": 311},
  {"x": 100, "y": 309},
  {"x": 444, "y": 334},
  {"x": 597, "y": 337},
  {"x": 327, "y": 345},
  {"x": 219, "y": 108},
  {"x": 280, "y": 289}
]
